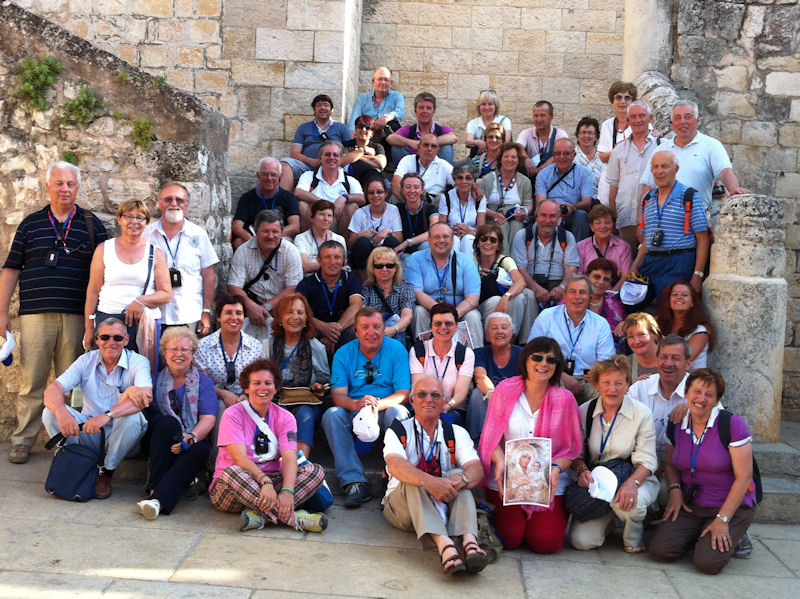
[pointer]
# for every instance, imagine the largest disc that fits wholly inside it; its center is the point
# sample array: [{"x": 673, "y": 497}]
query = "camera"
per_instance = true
[
  {"x": 175, "y": 277},
  {"x": 564, "y": 210}
]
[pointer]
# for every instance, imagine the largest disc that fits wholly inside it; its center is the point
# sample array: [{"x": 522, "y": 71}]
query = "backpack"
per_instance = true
[
  {"x": 461, "y": 351},
  {"x": 688, "y": 200},
  {"x": 724, "y": 425},
  {"x": 447, "y": 429},
  {"x": 316, "y": 181},
  {"x": 412, "y": 131}
]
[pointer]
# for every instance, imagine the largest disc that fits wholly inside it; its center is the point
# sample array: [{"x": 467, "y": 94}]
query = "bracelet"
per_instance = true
[
  {"x": 287, "y": 490},
  {"x": 207, "y": 310},
  {"x": 674, "y": 486},
  {"x": 581, "y": 469},
  {"x": 265, "y": 480},
  {"x": 699, "y": 273},
  {"x": 554, "y": 465},
  {"x": 136, "y": 299}
]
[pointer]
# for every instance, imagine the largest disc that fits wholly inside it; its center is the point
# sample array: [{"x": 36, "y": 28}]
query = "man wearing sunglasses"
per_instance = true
[
  {"x": 371, "y": 370},
  {"x": 49, "y": 258},
  {"x": 117, "y": 386}
]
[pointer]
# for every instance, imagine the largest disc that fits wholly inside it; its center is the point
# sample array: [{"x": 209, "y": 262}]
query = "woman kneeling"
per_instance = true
[{"x": 257, "y": 471}]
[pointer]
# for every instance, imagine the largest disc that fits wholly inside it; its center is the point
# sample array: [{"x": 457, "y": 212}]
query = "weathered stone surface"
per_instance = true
[
  {"x": 783, "y": 83},
  {"x": 760, "y": 134},
  {"x": 284, "y": 44},
  {"x": 257, "y": 72}
]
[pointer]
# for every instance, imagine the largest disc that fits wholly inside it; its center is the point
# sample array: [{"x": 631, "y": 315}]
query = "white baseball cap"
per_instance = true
[{"x": 6, "y": 355}]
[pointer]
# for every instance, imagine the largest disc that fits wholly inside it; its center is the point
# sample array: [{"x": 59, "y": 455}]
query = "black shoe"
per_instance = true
[
  {"x": 745, "y": 547},
  {"x": 355, "y": 494}
]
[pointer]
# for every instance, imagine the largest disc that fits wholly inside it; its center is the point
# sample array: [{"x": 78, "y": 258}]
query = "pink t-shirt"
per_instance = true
[{"x": 237, "y": 428}]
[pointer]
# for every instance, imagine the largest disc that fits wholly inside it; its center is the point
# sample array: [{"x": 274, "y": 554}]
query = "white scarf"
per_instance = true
[{"x": 262, "y": 425}]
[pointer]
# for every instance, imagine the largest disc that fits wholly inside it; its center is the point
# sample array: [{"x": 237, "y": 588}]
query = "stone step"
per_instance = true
[
  {"x": 777, "y": 459},
  {"x": 781, "y": 501}
]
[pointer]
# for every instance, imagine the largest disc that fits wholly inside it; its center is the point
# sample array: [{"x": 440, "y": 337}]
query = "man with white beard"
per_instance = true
[{"x": 190, "y": 258}]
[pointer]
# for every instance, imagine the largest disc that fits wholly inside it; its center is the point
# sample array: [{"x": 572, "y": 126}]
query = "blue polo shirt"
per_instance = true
[
  {"x": 576, "y": 185},
  {"x": 670, "y": 219},
  {"x": 308, "y": 136},
  {"x": 422, "y": 274},
  {"x": 327, "y": 305},
  {"x": 393, "y": 106},
  {"x": 389, "y": 371}
]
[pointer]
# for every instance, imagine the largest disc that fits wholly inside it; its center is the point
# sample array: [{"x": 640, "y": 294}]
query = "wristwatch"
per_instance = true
[
  {"x": 465, "y": 479},
  {"x": 110, "y": 417},
  {"x": 723, "y": 517},
  {"x": 508, "y": 294}
]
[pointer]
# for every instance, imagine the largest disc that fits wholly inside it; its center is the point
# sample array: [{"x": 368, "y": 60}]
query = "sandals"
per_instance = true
[
  {"x": 475, "y": 557},
  {"x": 452, "y": 564},
  {"x": 635, "y": 548}
]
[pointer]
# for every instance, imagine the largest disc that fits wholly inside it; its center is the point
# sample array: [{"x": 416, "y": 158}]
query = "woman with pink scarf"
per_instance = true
[{"x": 532, "y": 405}]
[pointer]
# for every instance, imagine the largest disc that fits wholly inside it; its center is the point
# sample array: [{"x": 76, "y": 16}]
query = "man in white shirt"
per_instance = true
[
  {"x": 435, "y": 172},
  {"x": 190, "y": 258}
]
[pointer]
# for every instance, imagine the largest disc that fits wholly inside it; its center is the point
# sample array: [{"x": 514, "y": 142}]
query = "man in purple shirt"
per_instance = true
[{"x": 405, "y": 140}]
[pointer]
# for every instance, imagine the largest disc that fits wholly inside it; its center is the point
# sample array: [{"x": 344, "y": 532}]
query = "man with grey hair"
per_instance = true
[
  {"x": 705, "y": 157},
  {"x": 387, "y": 107},
  {"x": 267, "y": 195},
  {"x": 190, "y": 258},
  {"x": 264, "y": 269},
  {"x": 673, "y": 225},
  {"x": 628, "y": 160},
  {"x": 117, "y": 386},
  {"x": 49, "y": 258},
  {"x": 329, "y": 182},
  {"x": 584, "y": 337}
]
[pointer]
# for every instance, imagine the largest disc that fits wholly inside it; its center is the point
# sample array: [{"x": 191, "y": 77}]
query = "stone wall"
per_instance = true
[
  {"x": 190, "y": 145},
  {"x": 565, "y": 51},
  {"x": 739, "y": 61}
]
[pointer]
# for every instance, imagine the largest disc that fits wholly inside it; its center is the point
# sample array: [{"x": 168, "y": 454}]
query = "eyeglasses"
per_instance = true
[
  {"x": 383, "y": 266},
  {"x": 490, "y": 238},
  {"x": 369, "y": 368},
  {"x": 552, "y": 360},
  {"x": 270, "y": 175},
  {"x": 464, "y": 178},
  {"x": 178, "y": 350},
  {"x": 116, "y": 338},
  {"x": 443, "y": 323},
  {"x": 434, "y": 395},
  {"x": 176, "y": 199},
  {"x": 563, "y": 153},
  {"x": 129, "y": 218},
  {"x": 623, "y": 97}
]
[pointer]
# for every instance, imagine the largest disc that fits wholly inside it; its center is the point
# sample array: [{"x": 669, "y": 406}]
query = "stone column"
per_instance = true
[
  {"x": 648, "y": 38},
  {"x": 745, "y": 296}
]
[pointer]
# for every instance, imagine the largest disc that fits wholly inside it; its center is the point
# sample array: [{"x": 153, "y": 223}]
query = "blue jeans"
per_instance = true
[
  {"x": 577, "y": 224},
  {"x": 122, "y": 435},
  {"x": 665, "y": 270},
  {"x": 307, "y": 417},
  {"x": 338, "y": 426},
  {"x": 398, "y": 153}
]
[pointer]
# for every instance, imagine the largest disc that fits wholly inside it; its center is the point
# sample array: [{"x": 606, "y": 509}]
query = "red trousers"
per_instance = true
[{"x": 543, "y": 531}]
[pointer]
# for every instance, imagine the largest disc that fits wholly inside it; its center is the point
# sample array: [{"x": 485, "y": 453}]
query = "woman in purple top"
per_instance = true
[
  {"x": 256, "y": 471},
  {"x": 711, "y": 491}
]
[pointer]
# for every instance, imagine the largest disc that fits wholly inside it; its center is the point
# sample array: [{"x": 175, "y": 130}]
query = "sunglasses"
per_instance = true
[
  {"x": 435, "y": 395},
  {"x": 116, "y": 338},
  {"x": 383, "y": 266},
  {"x": 552, "y": 360},
  {"x": 178, "y": 200},
  {"x": 369, "y": 367},
  {"x": 493, "y": 138},
  {"x": 364, "y": 128},
  {"x": 485, "y": 238}
]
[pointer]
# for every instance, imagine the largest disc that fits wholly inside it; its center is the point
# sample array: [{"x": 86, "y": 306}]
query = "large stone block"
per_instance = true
[
  {"x": 603, "y": 43},
  {"x": 525, "y": 41},
  {"x": 544, "y": 19},
  {"x": 406, "y": 13},
  {"x": 374, "y": 56},
  {"x": 207, "y": 8},
  {"x": 517, "y": 89},
  {"x": 328, "y": 46},
  {"x": 257, "y": 72},
  {"x": 760, "y": 134},
  {"x": 566, "y": 42},
  {"x": 182, "y": 79},
  {"x": 564, "y": 4},
  {"x": 204, "y": 32},
  {"x": 171, "y": 30},
  {"x": 477, "y": 37},
  {"x": 601, "y": 21},
  {"x": 190, "y": 57},
  {"x": 561, "y": 89},
  {"x": 410, "y": 83},
  {"x": 788, "y": 185},
  {"x": 783, "y": 84},
  {"x": 794, "y": 111},
  {"x": 153, "y": 8},
  {"x": 284, "y": 44},
  {"x": 790, "y": 135},
  {"x": 157, "y": 56},
  {"x": 490, "y": 16},
  {"x": 111, "y": 7},
  {"x": 541, "y": 64},
  {"x": 738, "y": 104},
  {"x": 749, "y": 316},
  {"x": 587, "y": 67},
  {"x": 313, "y": 76},
  {"x": 495, "y": 63},
  {"x": 733, "y": 77},
  {"x": 426, "y": 36},
  {"x": 316, "y": 15},
  {"x": 211, "y": 81},
  {"x": 238, "y": 42},
  {"x": 246, "y": 13},
  {"x": 447, "y": 61}
]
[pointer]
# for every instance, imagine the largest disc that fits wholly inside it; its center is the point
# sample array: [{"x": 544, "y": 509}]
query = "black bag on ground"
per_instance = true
[
  {"x": 583, "y": 506},
  {"x": 74, "y": 469}
]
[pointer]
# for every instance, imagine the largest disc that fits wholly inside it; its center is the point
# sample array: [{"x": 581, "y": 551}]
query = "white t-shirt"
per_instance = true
[
  {"x": 325, "y": 191},
  {"x": 307, "y": 245},
  {"x": 477, "y": 128},
  {"x": 362, "y": 220},
  {"x": 461, "y": 214}
]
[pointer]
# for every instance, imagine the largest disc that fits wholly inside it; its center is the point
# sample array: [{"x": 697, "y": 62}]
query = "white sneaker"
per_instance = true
[{"x": 149, "y": 508}]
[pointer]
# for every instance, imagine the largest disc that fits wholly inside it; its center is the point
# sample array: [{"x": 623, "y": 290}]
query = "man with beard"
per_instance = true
[{"x": 190, "y": 258}]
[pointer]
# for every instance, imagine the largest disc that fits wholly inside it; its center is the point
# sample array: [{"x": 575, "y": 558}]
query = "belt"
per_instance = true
[{"x": 667, "y": 253}]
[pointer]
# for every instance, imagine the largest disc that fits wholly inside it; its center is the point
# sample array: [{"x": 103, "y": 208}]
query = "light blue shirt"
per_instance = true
[
  {"x": 422, "y": 274},
  {"x": 101, "y": 389},
  {"x": 700, "y": 164},
  {"x": 587, "y": 343},
  {"x": 389, "y": 371},
  {"x": 536, "y": 256},
  {"x": 571, "y": 189},
  {"x": 393, "y": 107}
]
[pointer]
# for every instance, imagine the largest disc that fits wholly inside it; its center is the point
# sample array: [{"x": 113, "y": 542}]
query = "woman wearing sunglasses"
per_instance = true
[
  {"x": 302, "y": 359},
  {"x": 385, "y": 290},
  {"x": 509, "y": 193},
  {"x": 532, "y": 404},
  {"x": 365, "y": 158},
  {"x": 502, "y": 287},
  {"x": 127, "y": 278},
  {"x": 223, "y": 355},
  {"x": 256, "y": 470},
  {"x": 180, "y": 420},
  {"x": 488, "y": 108}
]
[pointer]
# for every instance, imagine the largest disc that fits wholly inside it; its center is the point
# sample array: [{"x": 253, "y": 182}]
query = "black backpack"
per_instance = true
[
  {"x": 316, "y": 181},
  {"x": 461, "y": 351},
  {"x": 447, "y": 429},
  {"x": 724, "y": 420}
]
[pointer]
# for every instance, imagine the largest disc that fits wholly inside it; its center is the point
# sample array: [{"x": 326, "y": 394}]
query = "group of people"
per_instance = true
[{"x": 353, "y": 296}]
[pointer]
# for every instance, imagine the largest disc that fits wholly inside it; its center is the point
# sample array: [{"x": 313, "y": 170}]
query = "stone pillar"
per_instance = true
[
  {"x": 648, "y": 38},
  {"x": 745, "y": 296}
]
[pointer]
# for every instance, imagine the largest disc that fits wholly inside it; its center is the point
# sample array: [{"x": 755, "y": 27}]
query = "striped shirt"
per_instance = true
[
  {"x": 53, "y": 289},
  {"x": 671, "y": 221}
]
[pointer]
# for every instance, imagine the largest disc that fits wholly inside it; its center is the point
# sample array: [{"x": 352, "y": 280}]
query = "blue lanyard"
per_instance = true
[
  {"x": 660, "y": 211},
  {"x": 273, "y": 197},
  {"x": 604, "y": 440},
  {"x": 413, "y": 227},
  {"x": 436, "y": 368},
  {"x": 443, "y": 278},
  {"x": 694, "y": 451},
  {"x": 225, "y": 356},
  {"x": 62, "y": 237},
  {"x": 169, "y": 249},
  {"x": 421, "y": 450},
  {"x": 504, "y": 190},
  {"x": 330, "y": 303},
  {"x": 291, "y": 355},
  {"x": 314, "y": 237},
  {"x": 608, "y": 245},
  {"x": 462, "y": 213},
  {"x": 418, "y": 165},
  {"x": 573, "y": 345}
]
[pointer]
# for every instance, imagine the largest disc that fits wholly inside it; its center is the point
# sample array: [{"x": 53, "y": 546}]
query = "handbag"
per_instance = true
[
  {"x": 75, "y": 468},
  {"x": 583, "y": 506},
  {"x": 298, "y": 396}
]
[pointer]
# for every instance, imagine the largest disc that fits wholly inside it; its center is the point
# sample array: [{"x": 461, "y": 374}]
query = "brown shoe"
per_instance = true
[
  {"x": 19, "y": 454},
  {"x": 102, "y": 486}
]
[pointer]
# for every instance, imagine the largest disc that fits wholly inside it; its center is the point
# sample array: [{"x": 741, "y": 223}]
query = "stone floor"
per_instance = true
[{"x": 54, "y": 548}]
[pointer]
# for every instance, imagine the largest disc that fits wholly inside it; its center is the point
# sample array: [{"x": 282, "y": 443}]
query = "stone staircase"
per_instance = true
[{"x": 779, "y": 464}]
